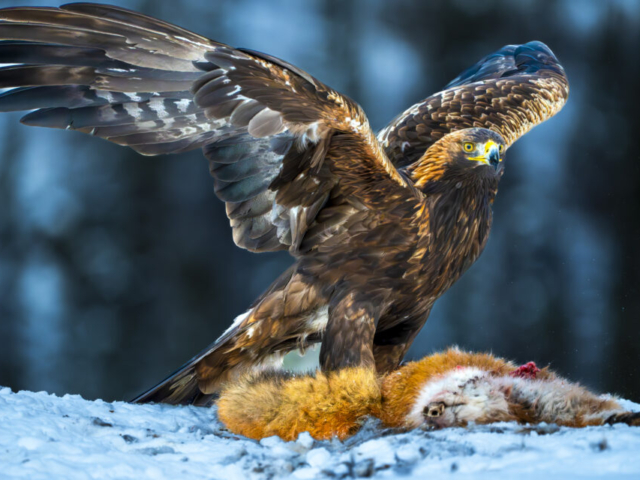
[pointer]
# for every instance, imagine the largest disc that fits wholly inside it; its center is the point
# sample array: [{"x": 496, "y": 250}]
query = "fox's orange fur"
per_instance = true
[
  {"x": 326, "y": 404},
  {"x": 452, "y": 388}
]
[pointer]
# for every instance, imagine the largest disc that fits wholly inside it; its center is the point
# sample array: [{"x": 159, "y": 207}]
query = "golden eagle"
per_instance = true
[{"x": 379, "y": 226}]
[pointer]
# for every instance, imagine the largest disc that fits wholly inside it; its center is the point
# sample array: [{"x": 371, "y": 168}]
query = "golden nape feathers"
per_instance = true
[{"x": 452, "y": 388}]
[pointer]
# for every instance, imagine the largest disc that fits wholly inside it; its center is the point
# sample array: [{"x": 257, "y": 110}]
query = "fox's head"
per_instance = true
[{"x": 459, "y": 397}]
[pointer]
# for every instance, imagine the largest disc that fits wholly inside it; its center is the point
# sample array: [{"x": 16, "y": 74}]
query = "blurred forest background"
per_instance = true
[{"x": 116, "y": 268}]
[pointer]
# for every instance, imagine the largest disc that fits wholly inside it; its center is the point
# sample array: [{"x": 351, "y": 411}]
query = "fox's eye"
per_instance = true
[
  {"x": 434, "y": 409},
  {"x": 501, "y": 149},
  {"x": 469, "y": 147}
]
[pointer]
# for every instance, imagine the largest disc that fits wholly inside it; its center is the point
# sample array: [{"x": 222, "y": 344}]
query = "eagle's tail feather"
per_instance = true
[
  {"x": 180, "y": 388},
  {"x": 185, "y": 386},
  {"x": 290, "y": 315}
]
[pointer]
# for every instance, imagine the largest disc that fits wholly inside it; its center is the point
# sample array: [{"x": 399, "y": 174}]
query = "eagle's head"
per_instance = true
[{"x": 467, "y": 154}]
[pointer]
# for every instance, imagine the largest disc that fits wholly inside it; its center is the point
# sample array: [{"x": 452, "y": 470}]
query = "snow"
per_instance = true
[{"x": 47, "y": 437}]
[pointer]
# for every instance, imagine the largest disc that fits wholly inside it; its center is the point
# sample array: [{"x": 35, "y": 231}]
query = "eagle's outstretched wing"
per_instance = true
[
  {"x": 509, "y": 91},
  {"x": 264, "y": 125}
]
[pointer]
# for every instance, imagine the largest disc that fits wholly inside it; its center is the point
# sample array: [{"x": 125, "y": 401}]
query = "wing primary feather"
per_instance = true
[
  {"x": 107, "y": 115},
  {"x": 130, "y": 17},
  {"x": 39, "y": 54}
]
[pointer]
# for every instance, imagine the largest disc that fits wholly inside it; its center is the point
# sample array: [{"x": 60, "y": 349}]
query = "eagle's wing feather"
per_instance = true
[
  {"x": 105, "y": 71},
  {"x": 509, "y": 91},
  {"x": 279, "y": 166},
  {"x": 127, "y": 36},
  {"x": 265, "y": 126}
]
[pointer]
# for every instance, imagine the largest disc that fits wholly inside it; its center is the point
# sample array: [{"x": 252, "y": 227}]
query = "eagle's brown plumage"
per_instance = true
[{"x": 379, "y": 227}]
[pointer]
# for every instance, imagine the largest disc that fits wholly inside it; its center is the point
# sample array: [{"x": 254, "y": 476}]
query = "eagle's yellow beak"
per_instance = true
[{"x": 491, "y": 155}]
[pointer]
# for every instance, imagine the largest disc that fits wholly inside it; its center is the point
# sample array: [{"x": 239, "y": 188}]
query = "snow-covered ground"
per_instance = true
[{"x": 43, "y": 436}]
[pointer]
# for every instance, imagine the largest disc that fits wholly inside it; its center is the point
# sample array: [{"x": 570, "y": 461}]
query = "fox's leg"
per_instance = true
[
  {"x": 630, "y": 418},
  {"x": 391, "y": 345},
  {"x": 348, "y": 338}
]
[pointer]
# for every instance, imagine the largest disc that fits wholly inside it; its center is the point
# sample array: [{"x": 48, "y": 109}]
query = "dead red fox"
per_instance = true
[{"x": 453, "y": 388}]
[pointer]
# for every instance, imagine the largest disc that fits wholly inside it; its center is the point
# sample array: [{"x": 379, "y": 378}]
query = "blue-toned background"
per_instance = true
[{"x": 116, "y": 268}]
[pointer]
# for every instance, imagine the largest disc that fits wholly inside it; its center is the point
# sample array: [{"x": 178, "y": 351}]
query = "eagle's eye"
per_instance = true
[
  {"x": 501, "y": 149},
  {"x": 469, "y": 147},
  {"x": 434, "y": 409}
]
